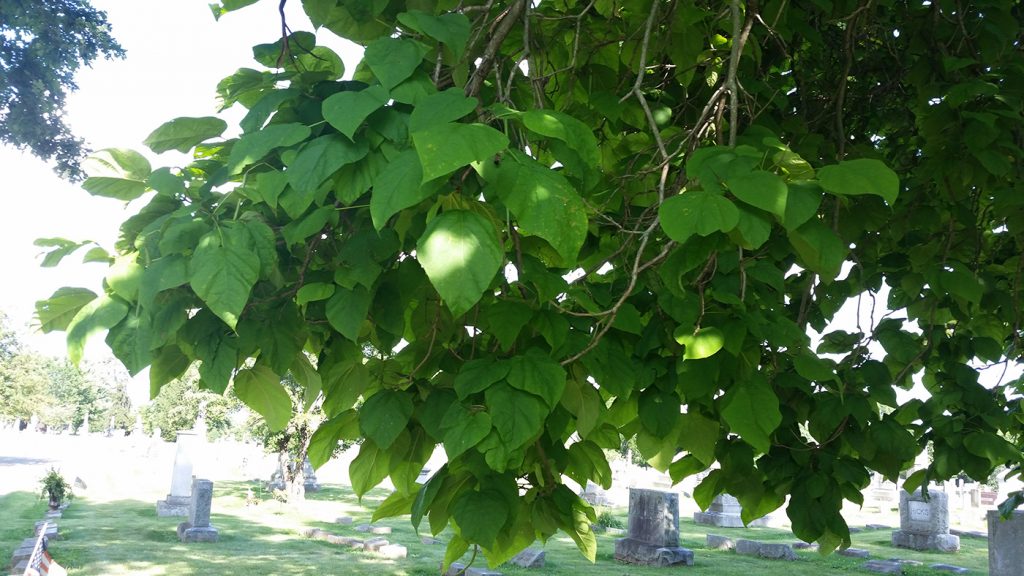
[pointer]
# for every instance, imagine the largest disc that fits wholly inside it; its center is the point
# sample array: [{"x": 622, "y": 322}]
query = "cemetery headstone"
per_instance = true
[
  {"x": 178, "y": 500},
  {"x": 653, "y": 537},
  {"x": 883, "y": 567},
  {"x": 309, "y": 477},
  {"x": 529, "y": 558},
  {"x": 724, "y": 512},
  {"x": 924, "y": 524},
  {"x": 198, "y": 528},
  {"x": 1005, "y": 544}
]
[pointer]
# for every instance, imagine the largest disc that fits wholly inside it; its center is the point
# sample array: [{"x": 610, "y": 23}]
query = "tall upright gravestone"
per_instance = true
[
  {"x": 653, "y": 538},
  {"x": 1006, "y": 544},
  {"x": 924, "y": 524},
  {"x": 725, "y": 512},
  {"x": 198, "y": 527},
  {"x": 179, "y": 498}
]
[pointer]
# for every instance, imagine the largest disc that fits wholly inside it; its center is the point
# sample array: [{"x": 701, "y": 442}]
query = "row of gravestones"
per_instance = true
[
  {"x": 35, "y": 550},
  {"x": 653, "y": 537}
]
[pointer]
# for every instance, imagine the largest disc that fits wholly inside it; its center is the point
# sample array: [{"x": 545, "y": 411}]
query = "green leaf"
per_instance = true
[
  {"x": 162, "y": 274},
  {"x": 257, "y": 116},
  {"x": 802, "y": 204},
  {"x": 517, "y": 416},
  {"x": 325, "y": 441},
  {"x": 384, "y": 415},
  {"x": 297, "y": 231},
  {"x": 658, "y": 410},
  {"x": 541, "y": 199},
  {"x": 61, "y": 248},
  {"x": 536, "y": 373},
  {"x": 505, "y": 319},
  {"x": 396, "y": 504},
  {"x": 820, "y": 249},
  {"x": 347, "y": 111},
  {"x": 582, "y": 157},
  {"x": 460, "y": 253},
  {"x": 130, "y": 341},
  {"x": 698, "y": 436},
  {"x": 463, "y": 429},
  {"x": 480, "y": 516},
  {"x": 313, "y": 292},
  {"x": 251, "y": 148},
  {"x": 398, "y": 186},
  {"x": 445, "y": 148},
  {"x": 392, "y": 60},
  {"x": 993, "y": 447},
  {"x": 751, "y": 409},
  {"x": 762, "y": 190},
  {"x": 57, "y": 311},
  {"x": 99, "y": 314},
  {"x": 116, "y": 173},
  {"x": 182, "y": 134},
  {"x": 860, "y": 176},
  {"x": 368, "y": 469},
  {"x": 222, "y": 272},
  {"x": 451, "y": 29},
  {"x": 169, "y": 363},
  {"x": 703, "y": 343},
  {"x": 441, "y": 108},
  {"x": 320, "y": 158},
  {"x": 262, "y": 391},
  {"x": 586, "y": 462},
  {"x": 347, "y": 310},
  {"x": 477, "y": 375},
  {"x": 697, "y": 212},
  {"x": 425, "y": 496},
  {"x": 753, "y": 228}
]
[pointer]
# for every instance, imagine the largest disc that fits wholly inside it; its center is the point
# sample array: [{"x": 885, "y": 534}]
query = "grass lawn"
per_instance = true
[{"x": 122, "y": 537}]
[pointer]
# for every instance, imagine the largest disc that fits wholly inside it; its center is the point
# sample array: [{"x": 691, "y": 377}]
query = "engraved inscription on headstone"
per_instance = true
[{"x": 919, "y": 511}]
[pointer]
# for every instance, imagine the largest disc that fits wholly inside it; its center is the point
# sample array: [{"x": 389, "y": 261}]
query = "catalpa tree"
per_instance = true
[{"x": 526, "y": 230}]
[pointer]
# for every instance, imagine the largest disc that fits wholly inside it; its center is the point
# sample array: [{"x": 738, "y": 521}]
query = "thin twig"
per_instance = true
[{"x": 509, "y": 19}]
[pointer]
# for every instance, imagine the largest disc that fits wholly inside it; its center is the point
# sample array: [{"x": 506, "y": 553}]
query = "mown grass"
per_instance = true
[{"x": 125, "y": 537}]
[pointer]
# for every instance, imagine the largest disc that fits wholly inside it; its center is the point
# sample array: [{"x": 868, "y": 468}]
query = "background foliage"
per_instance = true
[{"x": 527, "y": 232}]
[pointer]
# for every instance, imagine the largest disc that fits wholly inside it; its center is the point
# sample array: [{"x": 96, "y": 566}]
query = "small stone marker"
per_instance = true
[
  {"x": 883, "y": 567},
  {"x": 346, "y": 520},
  {"x": 51, "y": 530},
  {"x": 363, "y": 528},
  {"x": 459, "y": 568},
  {"x": 177, "y": 501},
  {"x": 393, "y": 551},
  {"x": 529, "y": 558},
  {"x": 716, "y": 542},
  {"x": 309, "y": 483},
  {"x": 1005, "y": 544},
  {"x": 198, "y": 528},
  {"x": 374, "y": 544},
  {"x": 801, "y": 545},
  {"x": 951, "y": 568},
  {"x": 724, "y": 512},
  {"x": 768, "y": 550},
  {"x": 430, "y": 541},
  {"x": 854, "y": 553},
  {"x": 877, "y": 527},
  {"x": 653, "y": 538},
  {"x": 924, "y": 525}
]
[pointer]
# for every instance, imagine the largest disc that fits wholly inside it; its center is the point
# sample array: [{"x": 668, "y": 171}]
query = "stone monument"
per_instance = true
[
  {"x": 309, "y": 482},
  {"x": 198, "y": 528},
  {"x": 177, "y": 501},
  {"x": 653, "y": 538},
  {"x": 924, "y": 524},
  {"x": 724, "y": 512},
  {"x": 1005, "y": 544}
]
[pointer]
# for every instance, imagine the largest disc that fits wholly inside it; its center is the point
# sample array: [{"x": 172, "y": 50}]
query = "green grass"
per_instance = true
[{"x": 122, "y": 537}]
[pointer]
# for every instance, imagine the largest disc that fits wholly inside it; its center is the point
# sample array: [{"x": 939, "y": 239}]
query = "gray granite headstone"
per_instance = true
[
  {"x": 724, "y": 512},
  {"x": 653, "y": 537},
  {"x": 883, "y": 567},
  {"x": 198, "y": 528},
  {"x": 924, "y": 525},
  {"x": 1005, "y": 544}
]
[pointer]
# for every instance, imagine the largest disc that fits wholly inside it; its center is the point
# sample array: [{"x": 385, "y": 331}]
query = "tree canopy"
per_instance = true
[
  {"x": 525, "y": 231},
  {"x": 42, "y": 45}
]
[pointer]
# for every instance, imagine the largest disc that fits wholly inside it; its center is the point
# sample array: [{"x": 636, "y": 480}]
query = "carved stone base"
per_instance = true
[
  {"x": 173, "y": 506},
  {"x": 186, "y": 533},
  {"x": 940, "y": 542},
  {"x": 636, "y": 552}
]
